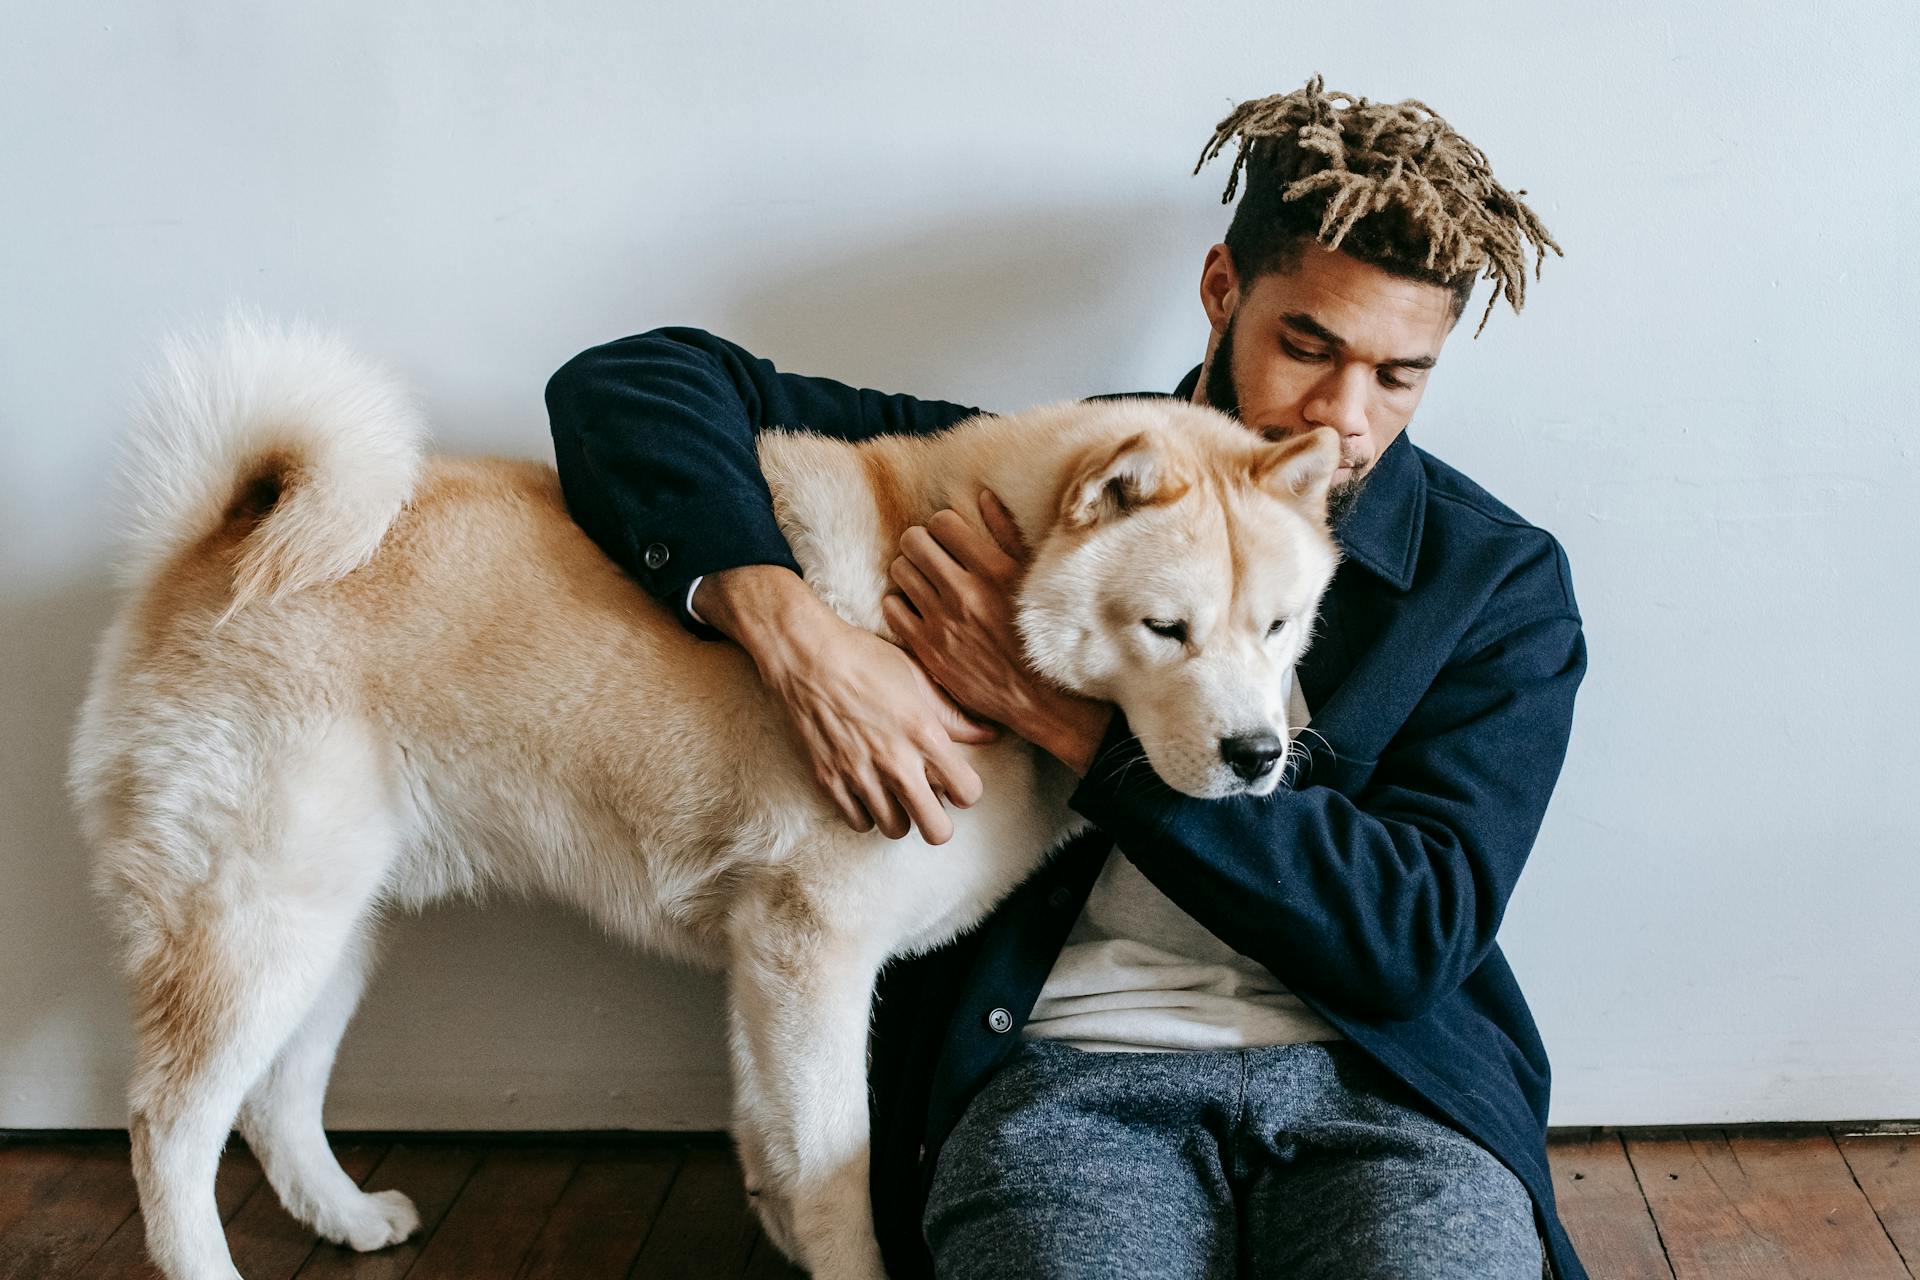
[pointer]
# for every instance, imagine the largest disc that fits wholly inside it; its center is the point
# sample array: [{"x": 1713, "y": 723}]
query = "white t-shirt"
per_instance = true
[{"x": 1138, "y": 974}]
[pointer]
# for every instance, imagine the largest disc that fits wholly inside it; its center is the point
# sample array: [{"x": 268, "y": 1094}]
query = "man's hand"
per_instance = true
[
  {"x": 879, "y": 733},
  {"x": 956, "y": 614}
]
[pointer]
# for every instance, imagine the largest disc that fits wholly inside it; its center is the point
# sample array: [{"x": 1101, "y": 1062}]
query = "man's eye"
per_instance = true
[
  {"x": 1393, "y": 381},
  {"x": 1172, "y": 630},
  {"x": 1300, "y": 353},
  {"x": 1275, "y": 629}
]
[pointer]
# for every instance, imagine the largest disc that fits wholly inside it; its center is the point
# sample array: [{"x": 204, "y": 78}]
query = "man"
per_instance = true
[{"x": 1273, "y": 1037}]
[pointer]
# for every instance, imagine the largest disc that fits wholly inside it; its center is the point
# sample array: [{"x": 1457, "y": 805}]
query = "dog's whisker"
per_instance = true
[{"x": 1307, "y": 728}]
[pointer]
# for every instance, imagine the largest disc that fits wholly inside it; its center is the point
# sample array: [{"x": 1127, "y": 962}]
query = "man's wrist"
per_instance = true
[
  {"x": 1074, "y": 729},
  {"x": 758, "y": 607}
]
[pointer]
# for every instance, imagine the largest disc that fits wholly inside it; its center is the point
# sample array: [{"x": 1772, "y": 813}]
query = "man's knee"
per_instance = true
[
  {"x": 1033, "y": 1184},
  {"x": 1068, "y": 1227},
  {"x": 1448, "y": 1211}
]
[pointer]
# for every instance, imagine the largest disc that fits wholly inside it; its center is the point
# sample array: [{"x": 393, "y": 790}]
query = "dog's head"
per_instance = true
[{"x": 1180, "y": 580}]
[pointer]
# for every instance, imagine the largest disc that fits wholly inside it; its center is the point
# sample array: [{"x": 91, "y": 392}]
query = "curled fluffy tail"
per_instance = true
[{"x": 280, "y": 427}]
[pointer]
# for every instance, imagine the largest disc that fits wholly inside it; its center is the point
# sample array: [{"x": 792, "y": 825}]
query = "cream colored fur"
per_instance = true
[{"x": 348, "y": 677}]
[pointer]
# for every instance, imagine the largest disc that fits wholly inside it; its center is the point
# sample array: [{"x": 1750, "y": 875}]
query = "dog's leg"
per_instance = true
[
  {"x": 805, "y": 1009},
  {"x": 215, "y": 1003},
  {"x": 750, "y": 1123},
  {"x": 235, "y": 927},
  {"x": 281, "y": 1122}
]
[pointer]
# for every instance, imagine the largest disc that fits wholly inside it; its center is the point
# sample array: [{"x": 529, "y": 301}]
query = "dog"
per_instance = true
[{"x": 348, "y": 677}]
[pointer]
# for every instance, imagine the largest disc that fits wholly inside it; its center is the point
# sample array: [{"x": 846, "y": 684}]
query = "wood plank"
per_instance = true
[
  {"x": 433, "y": 1173},
  {"x": 267, "y": 1243},
  {"x": 1603, "y": 1210},
  {"x": 705, "y": 1229},
  {"x": 1888, "y": 1171},
  {"x": 1774, "y": 1207},
  {"x": 30, "y": 1169},
  {"x": 1799, "y": 1204},
  {"x": 73, "y": 1218},
  {"x": 492, "y": 1225},
  {"x": 601, "y": 1220},
  {"x": 124, "y": 1256}
]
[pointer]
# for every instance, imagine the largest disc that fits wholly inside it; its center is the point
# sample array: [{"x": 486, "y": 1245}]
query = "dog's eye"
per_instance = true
[
  {"x": 1161, "y": 627},
  {"x": 1274, "y": 630}
]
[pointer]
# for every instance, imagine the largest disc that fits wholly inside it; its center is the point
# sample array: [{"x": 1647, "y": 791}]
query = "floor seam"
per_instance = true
[
  {"x": 1872, "y": 1208},
  {"x": 1659, "y": 1236}
]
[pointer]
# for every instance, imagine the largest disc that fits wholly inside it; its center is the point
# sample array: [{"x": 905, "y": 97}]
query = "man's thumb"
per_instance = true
[{"x": 959, "y": 725}]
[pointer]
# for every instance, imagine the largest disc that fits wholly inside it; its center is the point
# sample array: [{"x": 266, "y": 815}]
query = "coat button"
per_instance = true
[
  {"x": 656, "y": 555},
  {"x": 999, "y": 1021},
  {"x": 1060, "y": 897}
]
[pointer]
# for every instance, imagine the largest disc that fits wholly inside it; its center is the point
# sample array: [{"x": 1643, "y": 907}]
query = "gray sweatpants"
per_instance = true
[{"x": 1302, "y": 1160}]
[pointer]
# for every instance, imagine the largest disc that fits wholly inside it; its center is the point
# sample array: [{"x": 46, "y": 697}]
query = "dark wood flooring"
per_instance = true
[{"x": 1801, "y": 1203}]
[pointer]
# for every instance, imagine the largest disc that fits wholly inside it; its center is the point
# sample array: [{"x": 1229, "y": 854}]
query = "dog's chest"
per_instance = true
[{"x": 825, "y": 503}]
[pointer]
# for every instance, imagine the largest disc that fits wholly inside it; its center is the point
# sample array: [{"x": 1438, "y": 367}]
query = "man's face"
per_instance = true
[{"x": 1330, "y": 342}]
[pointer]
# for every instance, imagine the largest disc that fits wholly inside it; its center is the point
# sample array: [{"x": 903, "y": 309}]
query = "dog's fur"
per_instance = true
[{"x": 349, "y": 677}]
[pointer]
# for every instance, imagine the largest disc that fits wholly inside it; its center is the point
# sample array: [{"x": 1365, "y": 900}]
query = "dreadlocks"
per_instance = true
[{"x": 1391, "y": 183}]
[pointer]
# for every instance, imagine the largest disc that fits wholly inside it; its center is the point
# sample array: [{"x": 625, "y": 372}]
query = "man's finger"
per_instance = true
[
  {"x": 961, "y": 727},
  {"x": 932, "y": 559},
  {"x": 1001, "y": 525},
  {"x": 886, "y": 811},
  {"x": 851, "y": 809},
  {"x": 907, "y": 576},
  {"x": 955, "y": 777},
  {"x": 922, "y": 806},
  {"x": 959, "y": 724},
  {"x": 969, "y": 548},
  {"x": 905, "y": 622}
]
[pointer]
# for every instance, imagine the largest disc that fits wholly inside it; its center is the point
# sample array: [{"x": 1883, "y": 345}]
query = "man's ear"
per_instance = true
[
  {"x": 1116, "y": 481},
  {"x": 1219, "y": 288},
  {"x": 1300, "y": 466}
]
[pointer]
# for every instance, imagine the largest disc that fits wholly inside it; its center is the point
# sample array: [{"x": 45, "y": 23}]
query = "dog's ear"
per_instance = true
[
  {"x": 1117, "y": 480},
  {"x": 1300, "y": 466}
]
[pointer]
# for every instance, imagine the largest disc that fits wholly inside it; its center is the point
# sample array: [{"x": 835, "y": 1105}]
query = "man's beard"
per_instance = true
[{"x": 1223, "y": 395}]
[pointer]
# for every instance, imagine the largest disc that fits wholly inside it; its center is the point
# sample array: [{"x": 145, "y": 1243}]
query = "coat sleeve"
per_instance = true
[
  {"x": 653, "y": 436},
  {"x": 1382, "y": 904}
]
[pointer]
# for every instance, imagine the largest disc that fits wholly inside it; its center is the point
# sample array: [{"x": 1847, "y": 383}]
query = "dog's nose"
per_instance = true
[{"x": 1251, "y": 754}]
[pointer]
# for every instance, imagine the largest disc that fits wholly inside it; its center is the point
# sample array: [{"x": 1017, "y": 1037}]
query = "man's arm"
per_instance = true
[
  {"x": 654, "y": 439},
  {"x": 1383, "y": 904}
]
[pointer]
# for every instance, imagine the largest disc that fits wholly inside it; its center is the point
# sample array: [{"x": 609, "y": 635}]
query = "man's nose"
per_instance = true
[
  {"x": 1251, "y": 754},
  {"x": 1340, "y": 402}
]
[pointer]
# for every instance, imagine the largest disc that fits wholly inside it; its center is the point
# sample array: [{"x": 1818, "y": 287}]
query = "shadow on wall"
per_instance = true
[
  {"x": 62, "y": 1015},
  {"x": 516, "y": 1016},
  {"x": 508, "y": 1016}
]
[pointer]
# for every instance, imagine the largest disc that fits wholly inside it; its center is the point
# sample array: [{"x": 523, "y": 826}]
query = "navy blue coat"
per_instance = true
[{"x": 1441, "y": 683}]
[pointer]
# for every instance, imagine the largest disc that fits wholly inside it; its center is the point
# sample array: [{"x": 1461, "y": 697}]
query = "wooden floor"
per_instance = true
[{"x": 1804, "y": 1203}]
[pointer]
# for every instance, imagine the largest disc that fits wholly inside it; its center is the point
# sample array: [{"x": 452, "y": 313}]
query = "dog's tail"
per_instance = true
[{"x": 308, "y": 447}]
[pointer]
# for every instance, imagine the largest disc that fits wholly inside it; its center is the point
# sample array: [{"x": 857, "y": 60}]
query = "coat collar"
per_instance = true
[{"x": 1382, "y": 532}]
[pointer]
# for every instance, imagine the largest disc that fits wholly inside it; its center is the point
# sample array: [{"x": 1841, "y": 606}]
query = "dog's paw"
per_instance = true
[{"x": 378, "y": 1220}]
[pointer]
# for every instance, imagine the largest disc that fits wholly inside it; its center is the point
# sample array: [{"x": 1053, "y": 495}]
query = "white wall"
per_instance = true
[{"x": 1709, "y": 400}]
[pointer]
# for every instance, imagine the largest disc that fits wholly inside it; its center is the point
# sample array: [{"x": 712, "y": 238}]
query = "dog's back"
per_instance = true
[
  {"x": 347, "y": 675},
  {"x": 309, "y": 590}
]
